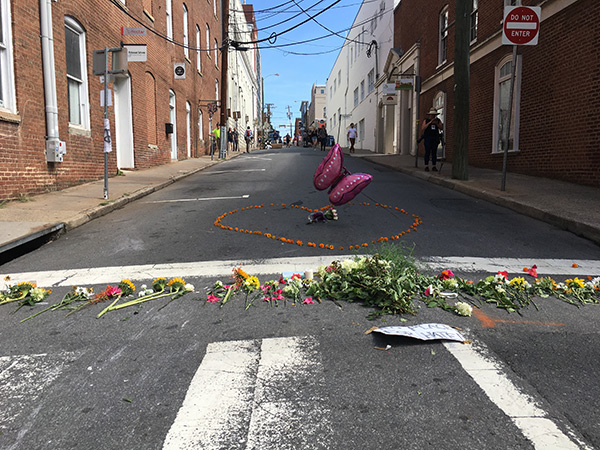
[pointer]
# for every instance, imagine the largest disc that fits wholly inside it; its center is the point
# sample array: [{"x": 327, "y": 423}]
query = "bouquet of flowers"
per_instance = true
[{"x": 323, "y": 215}]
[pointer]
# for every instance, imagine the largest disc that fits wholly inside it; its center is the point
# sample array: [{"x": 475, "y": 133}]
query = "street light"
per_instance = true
[{"x": 262, "y": 112}]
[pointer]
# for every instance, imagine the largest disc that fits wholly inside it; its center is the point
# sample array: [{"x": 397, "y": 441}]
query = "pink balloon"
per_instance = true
[
  {"x": 348, "y": 188},
  {"x": 330, "y": 168}
]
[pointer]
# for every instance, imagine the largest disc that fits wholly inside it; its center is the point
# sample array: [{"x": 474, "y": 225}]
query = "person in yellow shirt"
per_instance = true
[{"x": 217, "y": 134}]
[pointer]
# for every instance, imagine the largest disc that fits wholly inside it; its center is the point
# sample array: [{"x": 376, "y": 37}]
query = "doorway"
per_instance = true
[{"x": 123, "y": 123}]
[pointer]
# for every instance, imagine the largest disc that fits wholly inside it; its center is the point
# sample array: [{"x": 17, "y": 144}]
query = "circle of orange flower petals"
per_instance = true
[{"x": 416, "y": 222}]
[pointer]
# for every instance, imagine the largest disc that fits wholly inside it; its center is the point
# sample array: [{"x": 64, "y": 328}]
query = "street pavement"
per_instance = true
[{"x": 568, "y": 206}]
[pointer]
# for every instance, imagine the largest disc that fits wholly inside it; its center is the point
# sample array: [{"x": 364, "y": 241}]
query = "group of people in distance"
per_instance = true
[{"x": 431, "y": 133}]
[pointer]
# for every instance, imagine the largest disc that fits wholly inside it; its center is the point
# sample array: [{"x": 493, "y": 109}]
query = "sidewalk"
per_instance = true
[{"x": 569, "y": 206}]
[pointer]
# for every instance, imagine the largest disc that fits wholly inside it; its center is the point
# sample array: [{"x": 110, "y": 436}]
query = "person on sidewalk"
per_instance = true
[
  {"x": 217, "y": 134},
  {"x": 430, "y": 131},
  {"x": 230, "y": 140},
  {"x": 236, "y": 140},
  {"x": 352, "y": 135},
  {"x": 248, "y": 138},
  {"x": 322, "y": 135}
]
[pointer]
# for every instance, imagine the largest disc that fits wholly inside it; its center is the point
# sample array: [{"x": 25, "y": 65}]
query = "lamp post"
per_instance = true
[{"x": 262, "y": 109}]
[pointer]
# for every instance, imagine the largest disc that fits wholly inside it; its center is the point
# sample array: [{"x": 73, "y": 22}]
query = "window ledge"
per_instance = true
[
  {"x": 188, "y": 60},
  {"x": 510, "y": 152},
  {"x": 148, "y": 15},
  {"x": 199, "y": 73},
  {"x": 153, "y": 147},
  {"x": 79, "y": 131},
  {"x": 7, "y": 116}
]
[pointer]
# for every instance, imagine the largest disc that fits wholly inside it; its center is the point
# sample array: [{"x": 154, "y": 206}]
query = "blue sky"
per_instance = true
[{"x": 299, "y": 66}]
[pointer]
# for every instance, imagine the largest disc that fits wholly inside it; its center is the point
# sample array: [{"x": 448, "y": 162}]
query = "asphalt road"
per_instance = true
[{"x": 292, "y": 376}]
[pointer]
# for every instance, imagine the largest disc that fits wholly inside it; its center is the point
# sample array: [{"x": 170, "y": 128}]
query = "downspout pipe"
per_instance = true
[{"x": 52, "y": 137}]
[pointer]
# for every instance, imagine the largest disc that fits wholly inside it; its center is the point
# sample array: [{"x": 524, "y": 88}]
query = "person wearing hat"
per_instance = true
[{"x": 430, "y": 129}]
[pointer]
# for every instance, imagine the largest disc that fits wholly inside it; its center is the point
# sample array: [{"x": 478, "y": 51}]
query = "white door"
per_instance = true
[
  {"x": 123, "y": 123},
  {"x": 173, "y": 119}
]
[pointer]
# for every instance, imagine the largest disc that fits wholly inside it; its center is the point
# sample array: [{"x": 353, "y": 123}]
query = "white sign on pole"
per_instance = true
[
  {"x": 388, "y": 89},
  {"x": 136, "y": 52},
  {"x": 109, "y": 97},
  {"x": 521, "y": 25}
]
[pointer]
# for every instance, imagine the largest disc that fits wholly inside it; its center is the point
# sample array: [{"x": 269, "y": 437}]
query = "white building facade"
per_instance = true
[
  {"x": 352, "y": 91},
  {"x": 243, "y": 88}
]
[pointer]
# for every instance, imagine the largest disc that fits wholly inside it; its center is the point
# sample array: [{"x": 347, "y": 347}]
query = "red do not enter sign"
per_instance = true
[{"x": 521, "y": 25}]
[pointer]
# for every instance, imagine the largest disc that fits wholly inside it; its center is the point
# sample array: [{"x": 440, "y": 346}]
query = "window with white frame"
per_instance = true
[
  {"x": 474, "y": 19},
  {"x": 216, "y": 53},
  {"x": 443, "y": 36},
  {"x": 371, "y": 81},
  {"x": 362, "y": 90},
  {"x": 502, "y": 112},
  {"x": 439, "y": 103},
  {"x": 198, "y": 53},
  {"x": 77, "y": 93},
  {"x": 330, "y": 91},
  {"x": 217, "y": 90},
  {"x": 356, "y": 97},
  {"x": 215, "y": 7},
  {"x": 207, "y": 40},
  {"x": 7, "y": 83},
  {"x": 188, "y": 128},
  {"x": 361, "y": 130},
  {"x": 169, "y": 17},
  {"x": 186, "y": 38},
  {"x": 200, "y": 125}
]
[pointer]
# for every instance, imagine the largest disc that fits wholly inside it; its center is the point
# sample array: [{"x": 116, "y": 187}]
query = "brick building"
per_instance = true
[
  {"x": 556, "y": 92},
  {"x": 49, "y": 93}
]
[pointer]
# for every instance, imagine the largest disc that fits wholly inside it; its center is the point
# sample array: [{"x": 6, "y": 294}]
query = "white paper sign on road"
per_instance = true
[{"x": 424, "y": 331}]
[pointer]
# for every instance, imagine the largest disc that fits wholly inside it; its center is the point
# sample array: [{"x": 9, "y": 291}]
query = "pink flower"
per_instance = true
[
  {"x": 533, "y": 271},
  {"x": 281, "y": 280},
  {"x": 429, "y": 291},
  {"x": 113, "y": 291},
  {"x": 296, "y": 275},
  {"x": 504, "y": 273},
  {"x": 447, "y": 274},
  {"x": 308, "y": 301},
  {"x": 210, "y": 298}
]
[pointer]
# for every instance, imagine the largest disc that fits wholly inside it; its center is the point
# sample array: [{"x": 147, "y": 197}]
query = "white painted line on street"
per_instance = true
[
  {"x": 515, "y": 266},
  {"x": 533, "y": 421},
  {"x": 218, "y": 269},
  {"x": 254, "y": 394},
  {"x": 234, "y": 171},
  {"x": 199, "y": 199}
]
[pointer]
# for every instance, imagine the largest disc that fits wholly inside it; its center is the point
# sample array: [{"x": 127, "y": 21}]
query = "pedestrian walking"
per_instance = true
[
  {"x": 248, "y": 138},
  {"x": 230, "y": 140},
  {"x": 352, "y": 135},
  {"x": 322, "y": 135},
  {"x": 217, "y": 134},
  {"x": 431, "y": 128},
  {"x": 236, "y": 140}
]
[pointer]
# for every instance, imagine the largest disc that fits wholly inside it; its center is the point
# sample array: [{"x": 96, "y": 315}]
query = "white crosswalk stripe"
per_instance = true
[
  {"x": 256, "y": 394},
  {"x": 102, "y": 275}
]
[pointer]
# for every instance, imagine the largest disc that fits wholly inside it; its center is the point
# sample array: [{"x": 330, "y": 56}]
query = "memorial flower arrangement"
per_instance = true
[{"x": 24, "y": 293}]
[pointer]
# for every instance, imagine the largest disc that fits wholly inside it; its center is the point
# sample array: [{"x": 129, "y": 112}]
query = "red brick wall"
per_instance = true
[
  {"x": 560, "y": 88},
  {"x": 23, "y": 167}
]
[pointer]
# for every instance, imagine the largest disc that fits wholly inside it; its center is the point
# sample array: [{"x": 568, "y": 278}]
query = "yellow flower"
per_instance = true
[{"x": 176, "y": 280}]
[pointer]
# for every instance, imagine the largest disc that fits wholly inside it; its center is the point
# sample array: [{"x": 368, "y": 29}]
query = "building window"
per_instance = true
[
  {"x": 334, "y": 84},
  {"x": 216, "y": 53},
  {"x": 7, "y": 83},
  {"x": 362, "y": 90},
  {"x": 361, "y": 130},
  {"x": 207, "y": 40},
  {"x": 76, "y": 74},
  {"x": 169, "y": 16},
  {"x": 503, "y": 75},
  {"x": 188, "y": 128},
  {"x": 330, "y": 92},
  {"x": 216, "y": 90},
  {"x": 150, "y": 108},
  {"x": 198, "y": 53},
  {"x": 443, "y": 37},
  {"x": 322, "y": 91},
  {"x": 215, "y": 7},
  {"x": 200, "y": 126},
  {"x": 356, "y": 97},
  {"x": 370, "y": 81},
  {"x": 186, "y": 38},
  {"x": 474, "y": 20}
]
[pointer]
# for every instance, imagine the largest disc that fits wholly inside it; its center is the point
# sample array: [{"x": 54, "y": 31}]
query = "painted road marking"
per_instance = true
[
  {"x": 490, "y": 322},
  {"x": 199, "y": 199},
  {"x": 490, "y": 374},
  {"x": 212, "y": 172},
  {"x": 218, "y": 269},
  {"x": 256, "y": 394}
]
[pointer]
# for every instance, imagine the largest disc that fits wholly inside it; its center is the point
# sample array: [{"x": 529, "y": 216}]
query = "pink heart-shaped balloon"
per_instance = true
[
  {"x": 348, "y": 188},
  {"x": 330, "y": 168}
]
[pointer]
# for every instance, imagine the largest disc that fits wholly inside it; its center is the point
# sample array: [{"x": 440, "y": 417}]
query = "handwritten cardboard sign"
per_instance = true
[{"x": 424, "y": 331}]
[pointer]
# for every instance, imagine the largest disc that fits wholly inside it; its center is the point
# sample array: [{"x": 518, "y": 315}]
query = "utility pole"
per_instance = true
[
  {"x": 224, "y": 61},
  {"x": 289, "y": 114},
  {"x": 460, "y": 150}
]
